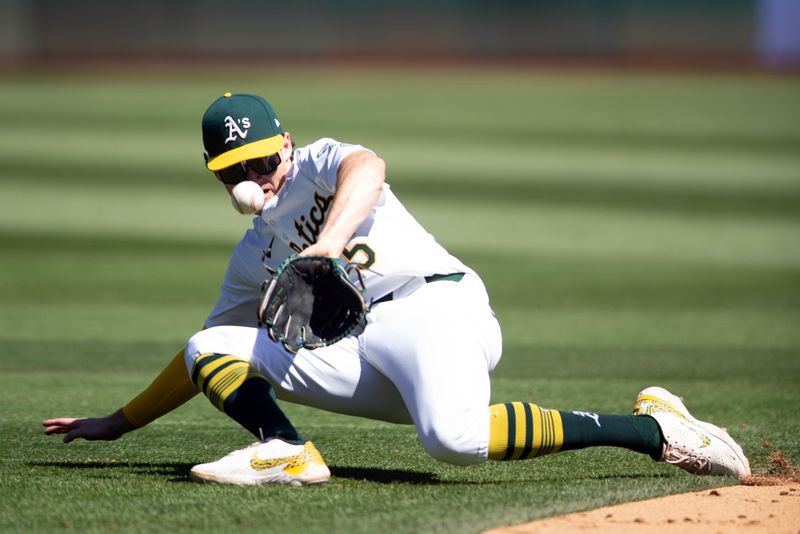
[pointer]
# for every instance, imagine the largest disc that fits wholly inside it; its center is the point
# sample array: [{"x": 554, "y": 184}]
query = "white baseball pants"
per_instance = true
[{"x": 423, "y": 358}]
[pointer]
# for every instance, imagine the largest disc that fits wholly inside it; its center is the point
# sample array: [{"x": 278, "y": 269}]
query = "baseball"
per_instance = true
[{"x": 247, "y": 197}]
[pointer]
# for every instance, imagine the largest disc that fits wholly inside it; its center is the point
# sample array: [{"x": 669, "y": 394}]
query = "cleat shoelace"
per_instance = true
[{"x": 689, "y": 461}]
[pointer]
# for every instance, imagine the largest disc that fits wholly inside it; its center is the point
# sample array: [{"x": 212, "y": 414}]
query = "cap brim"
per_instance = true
[{"x": 256, "y": 149}]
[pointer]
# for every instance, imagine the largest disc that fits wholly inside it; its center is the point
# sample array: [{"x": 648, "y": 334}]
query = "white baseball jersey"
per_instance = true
[
  {"x": 423, "y": 357},
  {"x": 391, "y": 248}
]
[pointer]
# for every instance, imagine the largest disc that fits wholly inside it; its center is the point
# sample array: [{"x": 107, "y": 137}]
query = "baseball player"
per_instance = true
[{"x": 424, "y": 356}]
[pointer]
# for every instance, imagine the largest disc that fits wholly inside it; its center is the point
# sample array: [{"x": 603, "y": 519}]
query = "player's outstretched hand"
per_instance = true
[{"x": 106, "y": 428}]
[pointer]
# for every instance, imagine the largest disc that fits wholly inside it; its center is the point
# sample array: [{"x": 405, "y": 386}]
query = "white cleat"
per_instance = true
[
  {"x": 693, "y": 445},
  {"x": 655, "y": 400},
  {"x": 271, "y": 462}
]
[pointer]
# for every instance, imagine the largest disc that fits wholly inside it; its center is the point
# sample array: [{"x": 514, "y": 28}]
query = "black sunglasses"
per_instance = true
[{"x": 238, "y": 173}]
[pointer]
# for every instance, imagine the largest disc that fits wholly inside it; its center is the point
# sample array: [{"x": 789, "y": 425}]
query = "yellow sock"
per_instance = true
[
  {"x": 171, "y": 388},
  {"x": 519, "y": 430}
]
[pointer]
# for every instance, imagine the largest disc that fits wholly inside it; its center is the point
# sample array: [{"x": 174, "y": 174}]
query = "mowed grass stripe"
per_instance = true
[
  {"x": 533, "y": 132},
  {"x": 540, "y": 188},
  {"x": 610, "y": 233},
  {"x": 572, "y": 231},
  {"x": 561, "y": 177},
  {"x": 36, "y": 252},
  {"x": 202, "y": 213},
  {"x": 593, "y": 111},
  {"x": 161, "y": 153}
]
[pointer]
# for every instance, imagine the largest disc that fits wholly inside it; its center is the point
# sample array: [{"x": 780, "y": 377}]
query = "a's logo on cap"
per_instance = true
[{"x": 234, "y": 130}]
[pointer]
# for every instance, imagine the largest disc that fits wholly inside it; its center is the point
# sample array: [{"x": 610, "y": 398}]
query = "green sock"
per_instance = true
[{"x": 638, "y": 433}]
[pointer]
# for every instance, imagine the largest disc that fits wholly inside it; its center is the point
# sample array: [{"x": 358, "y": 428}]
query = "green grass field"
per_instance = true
[{"x": 632, "y": 230}]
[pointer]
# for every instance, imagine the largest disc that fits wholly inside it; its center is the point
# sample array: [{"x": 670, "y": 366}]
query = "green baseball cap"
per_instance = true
[{"x": 240, "y": 127}]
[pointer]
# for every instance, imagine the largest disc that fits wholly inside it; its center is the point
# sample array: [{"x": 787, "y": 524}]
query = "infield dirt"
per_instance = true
[{"x": 768, "y": 503}]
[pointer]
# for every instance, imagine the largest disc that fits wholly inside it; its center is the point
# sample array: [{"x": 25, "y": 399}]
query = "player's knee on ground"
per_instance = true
[{"x": 457, "y": 441}]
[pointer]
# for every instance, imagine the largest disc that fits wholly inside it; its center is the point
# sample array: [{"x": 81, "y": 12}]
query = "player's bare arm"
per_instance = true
[{"x": 358, "y": 186}]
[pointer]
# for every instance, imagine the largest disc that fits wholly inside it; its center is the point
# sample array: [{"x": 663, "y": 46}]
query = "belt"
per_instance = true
[{"x": 453, "y": 277}]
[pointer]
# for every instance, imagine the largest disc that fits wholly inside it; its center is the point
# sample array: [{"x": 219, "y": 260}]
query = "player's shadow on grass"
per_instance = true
[
  {"x": 385, "y": 476},
  {"x": 178, "y": 472}
]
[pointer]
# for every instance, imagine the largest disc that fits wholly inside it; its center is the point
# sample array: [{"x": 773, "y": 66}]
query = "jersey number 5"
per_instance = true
[{"x": 366, "y": 256}]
